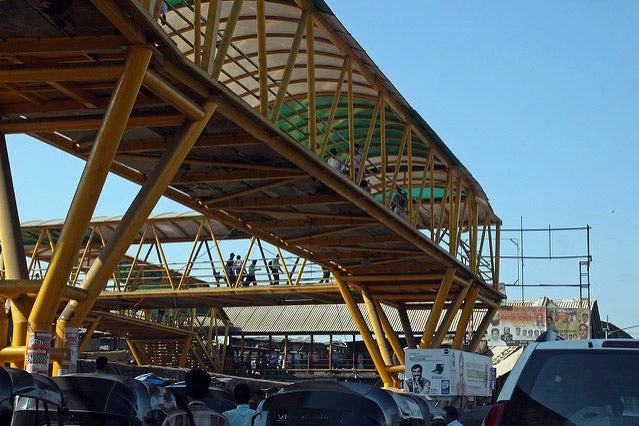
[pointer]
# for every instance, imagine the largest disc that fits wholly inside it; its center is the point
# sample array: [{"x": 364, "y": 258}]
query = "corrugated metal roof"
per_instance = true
[
  {"x": 320, "y": 319},
  {"x": 336, "y": 319},
  {"x": 562, "y": 303}
]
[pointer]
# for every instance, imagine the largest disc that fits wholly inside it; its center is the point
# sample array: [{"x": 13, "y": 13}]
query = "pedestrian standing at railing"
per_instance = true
[
  {"x": 326, "y": 275},
  {"x": 250, "y": 276},
  {"x": 230, "y": 263},
  {"x": 274, "y": 266},
  {"x": 238, "y": 264},
  {"x": 357, "y": 161}
]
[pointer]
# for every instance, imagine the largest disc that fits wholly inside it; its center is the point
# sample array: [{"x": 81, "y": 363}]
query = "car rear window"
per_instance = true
[{"x": 562, "y": 387}]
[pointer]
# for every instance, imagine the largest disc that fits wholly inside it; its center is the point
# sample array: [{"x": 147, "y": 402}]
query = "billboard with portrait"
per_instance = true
[
  {"x": 447, "y": 372},
  {"x": 571, "y": 323},
  {"x": 516, "y": 325}
]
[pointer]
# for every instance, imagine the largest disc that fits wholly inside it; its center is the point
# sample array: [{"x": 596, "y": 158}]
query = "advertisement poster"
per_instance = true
[
  {"x": 571, "y": 323},
  {"x": 38, "y": 352},
  {"x": 447, "y": 372},
  {"x": 71, "y": 337},
  {"x": 516, "y": 325}
]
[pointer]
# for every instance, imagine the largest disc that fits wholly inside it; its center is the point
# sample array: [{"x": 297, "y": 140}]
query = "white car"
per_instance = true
[{"x": 571, "y": 382}]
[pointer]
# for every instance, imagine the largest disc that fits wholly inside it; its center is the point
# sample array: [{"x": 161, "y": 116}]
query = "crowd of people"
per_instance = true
[{"x": 196, "y": 413}]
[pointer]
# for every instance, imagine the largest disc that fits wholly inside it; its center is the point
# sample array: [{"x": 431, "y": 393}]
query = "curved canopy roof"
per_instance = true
[{"x": 339, "y": 65}]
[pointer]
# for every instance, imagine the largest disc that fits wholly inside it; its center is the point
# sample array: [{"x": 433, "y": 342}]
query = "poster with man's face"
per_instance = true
[
  {"x": 447, "y": 372},
  {"x": 571, "y": 323},
  {"x": 516, "y": 325}
]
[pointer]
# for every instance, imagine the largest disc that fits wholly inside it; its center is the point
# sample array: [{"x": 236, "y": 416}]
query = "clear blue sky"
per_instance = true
[
  {"x": 540, "y": 101},
  {"x": 537, "y": 99}
]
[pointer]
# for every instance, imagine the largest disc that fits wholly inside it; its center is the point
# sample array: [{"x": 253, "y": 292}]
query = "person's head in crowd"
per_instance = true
[
  {"x": 242, "y": 393},
  {"x": 101, "y": 363},
  {"x": 451, "y": 413},
  {"x": 197, "y": 383}
]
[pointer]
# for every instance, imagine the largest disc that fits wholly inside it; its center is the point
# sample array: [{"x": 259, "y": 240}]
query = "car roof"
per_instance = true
[
  {"x": 571, "y": 345},
  {"x": 585, "y": 344}
]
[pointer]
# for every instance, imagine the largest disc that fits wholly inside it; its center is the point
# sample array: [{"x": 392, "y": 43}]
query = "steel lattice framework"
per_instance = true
[{"x": 232, "y": 108}]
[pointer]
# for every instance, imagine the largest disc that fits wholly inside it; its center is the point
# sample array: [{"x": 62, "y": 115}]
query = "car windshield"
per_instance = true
[{"x": 593, "y": 387}]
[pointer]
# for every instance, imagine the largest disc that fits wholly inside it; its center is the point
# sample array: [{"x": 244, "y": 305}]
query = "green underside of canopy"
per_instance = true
[{"x": 294, "y": 120}]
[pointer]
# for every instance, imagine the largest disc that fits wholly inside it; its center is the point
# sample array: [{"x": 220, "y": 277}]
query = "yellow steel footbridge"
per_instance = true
[{"x": 267, "y": 119}]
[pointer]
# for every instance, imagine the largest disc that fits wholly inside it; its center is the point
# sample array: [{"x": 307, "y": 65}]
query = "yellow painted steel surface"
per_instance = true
[{"x": 289, "y": 85}]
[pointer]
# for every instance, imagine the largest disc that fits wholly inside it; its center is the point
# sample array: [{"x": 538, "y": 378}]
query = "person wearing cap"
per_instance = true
[
  {"x": 452, "y": 416},
  {"x": 196, "y": 413}
]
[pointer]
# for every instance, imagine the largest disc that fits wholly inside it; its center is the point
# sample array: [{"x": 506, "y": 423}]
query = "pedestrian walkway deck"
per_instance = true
[{"x": 233, "y": 111}]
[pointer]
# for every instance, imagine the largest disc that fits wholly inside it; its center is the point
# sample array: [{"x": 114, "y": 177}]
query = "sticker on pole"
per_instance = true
[
  {"x": 71, "y": 337},
  {"x": 38, "y": 353}
]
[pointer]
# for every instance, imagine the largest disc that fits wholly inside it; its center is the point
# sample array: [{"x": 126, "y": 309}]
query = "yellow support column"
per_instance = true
[
  {"x": 448, "y": 317},
  {"x": 363, "y": 330},
  {"x": 89, "y": 188},
  {"x": 438, "y": 306},
  {"x": 4, "y": 326},
  {"x": 87, "y": 335},
  {"x": 467, "y": 311},
  {"x": 185, "y": 352},
  {"x": 139, "y": 358},
  {"x": 408, "y": 330},
  {"x": 390, "y": 333},
  {"x": 377, "y": 327},
  {"x": 102, "y": 268},
  {"x": 13, "y": 255}
]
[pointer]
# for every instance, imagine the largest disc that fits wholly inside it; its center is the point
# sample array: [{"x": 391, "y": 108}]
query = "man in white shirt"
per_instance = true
[
  {"x": 196, "y": 412},
  {"x": 243, "y": 414}
]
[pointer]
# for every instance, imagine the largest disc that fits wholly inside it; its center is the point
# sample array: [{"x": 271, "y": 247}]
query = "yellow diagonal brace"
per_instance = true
[
  {"x": 390, "y": 333},
  {"x": 288, "y": 70},
  {"x": 185, "y": 352},
  {"x": 377, "y": 327},
  {"x": 137, "y": 354},
  {"x": 408, "y": 330},
  {"x": 207, "y": 352},
  {"x": 448, "y": 318},
  {"x": 310, "y": 70},
  {"x": 261, "y": 56},
  {"x": 438, "y": 306},
  {"x": 134, "y": 218},
  {"x": 13, "y": 256},
  {"x": 363, "y": 330},
  {"x": 87, "y": 335},
  {"x": 4, "y": 326},
  {"x": 467, "y": 311},
  {"x": 89, "y": 188},
  {"x": 210, "y": 35},
  {"x": 223, "y": 47}
]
